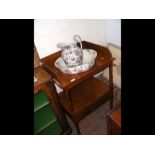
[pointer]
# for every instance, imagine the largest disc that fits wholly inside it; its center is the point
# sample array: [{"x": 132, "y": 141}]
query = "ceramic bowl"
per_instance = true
[{"x": 89, "y": 56}]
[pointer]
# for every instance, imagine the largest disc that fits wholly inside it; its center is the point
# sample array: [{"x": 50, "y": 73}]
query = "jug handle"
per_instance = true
[{"x": 77, "y": 38}]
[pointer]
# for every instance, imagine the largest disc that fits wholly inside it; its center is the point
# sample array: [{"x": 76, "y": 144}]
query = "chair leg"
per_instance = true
[{"x": 77, "y": 128}]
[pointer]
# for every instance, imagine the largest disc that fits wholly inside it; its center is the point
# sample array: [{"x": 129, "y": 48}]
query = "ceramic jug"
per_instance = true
[{"x": 72, "y": 54}]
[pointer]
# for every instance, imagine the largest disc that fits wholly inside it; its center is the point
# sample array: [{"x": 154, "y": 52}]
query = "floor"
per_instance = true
[{"x": 93, "y": 124}]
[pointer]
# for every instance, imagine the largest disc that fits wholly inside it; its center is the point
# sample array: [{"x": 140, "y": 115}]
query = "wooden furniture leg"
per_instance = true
[
  {"x": 76, "y": 124},
  {"x": 108, "y": 124},
  {"x": 77, "y": 128},
  {"x": 111, "y": 84}
]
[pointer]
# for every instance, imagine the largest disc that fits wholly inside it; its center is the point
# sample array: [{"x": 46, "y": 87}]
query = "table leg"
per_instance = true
[{"x": 111, "y": 84}]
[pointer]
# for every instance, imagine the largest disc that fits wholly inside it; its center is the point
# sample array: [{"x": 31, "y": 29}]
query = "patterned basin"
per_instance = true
[{"x": 89, "y": 56}]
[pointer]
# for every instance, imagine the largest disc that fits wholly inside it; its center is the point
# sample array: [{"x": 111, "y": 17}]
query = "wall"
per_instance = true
[
  {"x": 49, "y": 32},
  {"x": 113, "y": 31}
]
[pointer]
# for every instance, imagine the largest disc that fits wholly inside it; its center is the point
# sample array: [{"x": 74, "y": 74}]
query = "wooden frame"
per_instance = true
[
  {"x": 36, "y": 58},
  {"x": 71, "y": 99}
]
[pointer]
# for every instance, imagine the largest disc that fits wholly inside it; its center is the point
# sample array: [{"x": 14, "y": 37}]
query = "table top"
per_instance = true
[{"x": 67, "y": 81}]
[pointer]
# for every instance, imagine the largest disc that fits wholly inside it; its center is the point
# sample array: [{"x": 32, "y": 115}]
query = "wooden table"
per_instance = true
[
  {"x": 68, "y": 81},
  {"x": 104, "y": 59},
  {"x": 43, "y": 84},
  {"x": 75, "y": 105}
]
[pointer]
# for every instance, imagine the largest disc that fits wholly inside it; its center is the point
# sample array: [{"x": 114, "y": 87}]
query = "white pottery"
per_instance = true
[
  {"x": 72, "y": 54},
  {"x": 89, "y": 57}
]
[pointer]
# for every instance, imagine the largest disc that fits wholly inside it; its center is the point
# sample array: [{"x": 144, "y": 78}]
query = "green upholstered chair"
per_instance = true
[{"x": 45, "y": 121}]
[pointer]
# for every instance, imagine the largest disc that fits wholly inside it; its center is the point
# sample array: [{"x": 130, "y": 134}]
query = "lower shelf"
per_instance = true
[
  {"x": 40, "y": 100},
  {"x": 85, "y": 95}
]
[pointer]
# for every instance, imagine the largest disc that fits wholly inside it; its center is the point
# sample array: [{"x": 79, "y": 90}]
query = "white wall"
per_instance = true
[
  {"x": 49, "y": 32},
  {"x": 113, "y": 31}
]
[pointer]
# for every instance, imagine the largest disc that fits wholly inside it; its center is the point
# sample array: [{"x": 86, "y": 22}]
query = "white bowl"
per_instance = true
[{"x": 89, "y": 57}]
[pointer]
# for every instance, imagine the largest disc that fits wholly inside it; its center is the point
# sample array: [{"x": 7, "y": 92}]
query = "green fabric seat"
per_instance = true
[
  {"x": 52, "y": 129},
  {"x": 40, "y": 100},
  {"x": 45, "y": 121}
]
